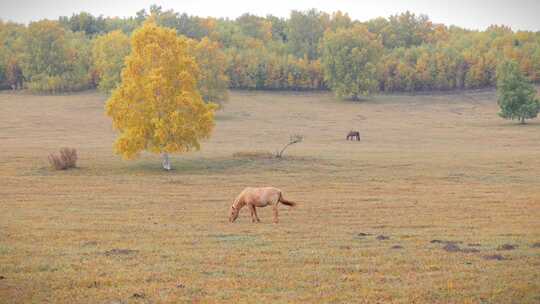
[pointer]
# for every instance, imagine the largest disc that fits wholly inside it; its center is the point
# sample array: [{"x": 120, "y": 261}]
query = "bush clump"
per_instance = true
[{"x": 65, "y": 160}]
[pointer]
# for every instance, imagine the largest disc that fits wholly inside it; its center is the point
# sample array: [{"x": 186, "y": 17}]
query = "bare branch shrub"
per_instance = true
[
  {"x": 65, "y": 160},
  {"x": 293, "y": 139}
]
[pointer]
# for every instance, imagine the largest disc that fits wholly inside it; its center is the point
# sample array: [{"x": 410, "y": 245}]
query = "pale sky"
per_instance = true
[{"x": 472, "y": 14}]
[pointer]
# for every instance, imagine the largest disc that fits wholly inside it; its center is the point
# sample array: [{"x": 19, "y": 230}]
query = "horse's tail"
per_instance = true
[{"x": 285, "y": 202}]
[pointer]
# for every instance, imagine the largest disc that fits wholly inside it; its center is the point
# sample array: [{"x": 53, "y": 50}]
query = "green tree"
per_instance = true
[
  {"x": 340, "y": 19},
  {"x": 406, "y": 30},
  {"x": 279, "y": 28},
  {"x": 84, "y": 22},
  {"x": 45, "y": 49},
  {"x": 157, "y": 106},
  {"x": 517, "y": 96},
  {"x": 213, "y": 83},
  {"x": 349, "y": 61},
  {"x": 55, "y": 59},
  {"x": 13, "y": 74},
  {"x": 108, "y": 54},
  {"x": 255, "y": 27},
  {"x": 305, "y": 29},
  {"x": 10, "y": 50},
  {"x": 126, "y": 25}
]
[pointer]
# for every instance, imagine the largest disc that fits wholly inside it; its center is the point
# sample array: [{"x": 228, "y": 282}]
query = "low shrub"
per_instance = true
[{"x": 65, "y": 160}]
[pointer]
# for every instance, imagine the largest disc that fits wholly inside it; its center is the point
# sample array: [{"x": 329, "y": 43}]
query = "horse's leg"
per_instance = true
[
  {"x": 276, "y": 212},
  {"x": 255, "y": 212},
  {"x": 252, "y": 211}
]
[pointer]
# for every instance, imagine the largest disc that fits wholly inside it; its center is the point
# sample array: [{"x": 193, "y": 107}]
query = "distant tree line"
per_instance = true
[{"x": 309, "y": 50}]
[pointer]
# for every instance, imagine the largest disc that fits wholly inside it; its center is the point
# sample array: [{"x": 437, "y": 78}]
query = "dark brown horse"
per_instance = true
[{"x": 353, "y": 134}]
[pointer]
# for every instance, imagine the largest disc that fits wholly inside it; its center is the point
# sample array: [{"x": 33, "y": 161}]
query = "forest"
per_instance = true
[{"x": 309, "y": 50}]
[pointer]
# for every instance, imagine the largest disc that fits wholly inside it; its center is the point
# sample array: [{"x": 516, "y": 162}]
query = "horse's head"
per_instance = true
[{"x": 233, "y": 213}]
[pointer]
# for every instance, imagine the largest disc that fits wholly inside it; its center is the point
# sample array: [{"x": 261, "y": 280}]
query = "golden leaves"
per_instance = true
[{"x": 157, "y": 106}]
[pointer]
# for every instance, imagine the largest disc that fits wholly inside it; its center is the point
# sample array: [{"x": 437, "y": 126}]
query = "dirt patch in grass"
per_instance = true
[
  {"x": 138, "y": 295},
  {"x": 507, "y": 247},
  {"x": 496, "y": 257},
  {"x": 116, "y": 251},
  {"x": 437, "y": 241},
  {"x": 363, "y": 234},
  {"x": 451, "y": 247}
]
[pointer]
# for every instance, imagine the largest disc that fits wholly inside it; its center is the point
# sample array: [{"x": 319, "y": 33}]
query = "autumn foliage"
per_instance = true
[
  {"x": 157, "y": 106},
  {"x": 271, "y": 53}
]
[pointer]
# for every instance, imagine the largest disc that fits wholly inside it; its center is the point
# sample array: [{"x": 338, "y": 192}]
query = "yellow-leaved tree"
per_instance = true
[{"x": 157, "y": 106}]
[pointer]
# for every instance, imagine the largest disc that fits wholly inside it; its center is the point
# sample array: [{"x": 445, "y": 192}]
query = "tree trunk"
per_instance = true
[
  {"x": 522, "y": 120},
  {"x": 280, "y": 153},
  {"x": 166, "y": 163}
]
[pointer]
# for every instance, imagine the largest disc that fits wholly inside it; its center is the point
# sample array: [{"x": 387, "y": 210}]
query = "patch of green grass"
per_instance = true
[
  {"x": 233, "y": 237},
  {"x": 4, "y": 249}
]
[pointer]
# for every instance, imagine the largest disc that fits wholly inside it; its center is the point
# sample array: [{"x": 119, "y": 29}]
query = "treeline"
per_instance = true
[{"x": 309, "y": 50}]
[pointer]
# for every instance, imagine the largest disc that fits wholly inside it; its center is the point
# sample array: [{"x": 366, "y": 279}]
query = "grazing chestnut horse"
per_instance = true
[
  {"x": 353, "y": 134},
  {"x": 258, "y": 197}
]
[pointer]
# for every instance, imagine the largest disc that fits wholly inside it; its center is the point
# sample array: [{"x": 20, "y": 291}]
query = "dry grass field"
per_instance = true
[{"x": 439, "y": 203}]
